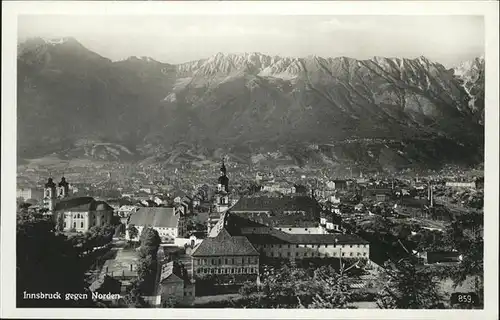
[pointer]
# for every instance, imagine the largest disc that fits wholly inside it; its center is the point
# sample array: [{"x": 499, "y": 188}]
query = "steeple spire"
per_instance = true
[{"x": 223, "y": 168}]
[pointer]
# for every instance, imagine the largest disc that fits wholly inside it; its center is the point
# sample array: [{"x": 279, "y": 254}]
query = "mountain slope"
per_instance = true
[{"x": 251, "y": 103}]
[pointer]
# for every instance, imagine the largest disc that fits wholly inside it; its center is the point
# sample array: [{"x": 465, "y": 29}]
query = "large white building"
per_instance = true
[
  {"x": 82, "y": 213},
  {"x": 168, "y": 222}
]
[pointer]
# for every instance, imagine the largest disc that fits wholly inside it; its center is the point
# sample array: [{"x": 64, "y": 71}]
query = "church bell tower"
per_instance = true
[
  {"x": 222, "y": 197},
  {"x": 49, "y": 198},
  {"x": 63, "y": 189}
]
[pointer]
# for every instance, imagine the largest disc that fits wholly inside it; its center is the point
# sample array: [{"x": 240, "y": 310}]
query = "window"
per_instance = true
[
  {"x": 343, "y": 254},
  {"x": 232, "y": 261},
  {"x": 81, "y": 224},
  {"x": 232, "y": 270},
  {"x": 297, "y": 246},
  {"x": 288, "y": 246},
  {"x": 74, "y": 225},
  {"x": 359, "y": 254},
  {"x": 364, "y": 254},
  {"x": 335, "y": 254},
  {"x": 213, "y": 261},
  {"x": 279, "y": 246},
  {"x": 350, "y": 246},
  {"x": 64, "y": 224},
  {"x": 288, "y": 254},
  {"x": 296, "y": 254},
  {"x": 305, "y": 254},
  {"x": 272, "y": 254},
  {"x": 350, "y": 254},
  {"x": 289, "y": 229},
  {"x": 225, "y": 260},
  {"x": 220, "y": 261}
]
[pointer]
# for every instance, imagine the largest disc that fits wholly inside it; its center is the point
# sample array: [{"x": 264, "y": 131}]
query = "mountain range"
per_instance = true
[{"x": 380, "y": 112}]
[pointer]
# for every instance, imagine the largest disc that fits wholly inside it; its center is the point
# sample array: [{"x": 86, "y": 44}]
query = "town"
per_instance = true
[{"x": 224, "y": 236}]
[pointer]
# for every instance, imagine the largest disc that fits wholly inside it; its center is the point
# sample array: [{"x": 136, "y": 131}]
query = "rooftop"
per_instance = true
[
  {"x": 159, "y": 217},
  {"x": 277, "y": 204},
  {"x": 225, "y": 245},
  {"x": 82, "y": 204}
]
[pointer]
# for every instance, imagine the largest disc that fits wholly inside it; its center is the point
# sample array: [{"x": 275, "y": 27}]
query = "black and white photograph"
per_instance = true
[{"x": 229, "y": 159}]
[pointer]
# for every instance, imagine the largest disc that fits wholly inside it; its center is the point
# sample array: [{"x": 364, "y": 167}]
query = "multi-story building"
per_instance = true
[
  {"x": 306, "y": 246},
  {"x": 226, "y": 255},
  {"x": 82, "y": 213},
  {"x": 291, "y": 214},
  {"x": 168, "y": 222},
  {"x": 175, "y": 284}
]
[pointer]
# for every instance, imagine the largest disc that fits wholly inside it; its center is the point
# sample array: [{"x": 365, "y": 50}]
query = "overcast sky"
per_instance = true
[{"x": 175, "y": 39}]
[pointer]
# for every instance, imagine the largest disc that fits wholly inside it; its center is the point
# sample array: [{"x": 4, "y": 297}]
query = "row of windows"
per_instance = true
[
  {"x": 317, "y": 254},
  {"x": 314, "y": 246},
  {"x": 214, "y": 261},
  {"x": 74, "y": 224},
  {"x": 226, "y": 270}
]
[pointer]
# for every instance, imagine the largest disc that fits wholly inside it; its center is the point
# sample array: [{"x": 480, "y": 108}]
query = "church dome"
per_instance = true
[{"x": 50, "y": 183}]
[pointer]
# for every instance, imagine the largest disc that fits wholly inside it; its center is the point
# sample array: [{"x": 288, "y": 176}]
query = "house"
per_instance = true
[
  {"x": 337, "y": 184},
  {"x": 29, "y": 193},
  {"x": 149, "y": 189},
  {"x": 379, "y": 194},
  {"x": 82, "y": 213},
  {"x": 160, "y": 200},
  {"x": 331, "y": 221},
  {"x": 440, "y": 257},
  {"x": 126, "y": 210},
  {"x": 232, "y": 258},
  {"x": 168, "y": 222},
  {"x": 174, "y": 283},
  {"x": 461, "y": 184}
]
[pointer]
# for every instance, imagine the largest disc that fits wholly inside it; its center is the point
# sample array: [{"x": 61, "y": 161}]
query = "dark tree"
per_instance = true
[
  {"x": 408, "y": 288},
  {"x": 132, "y": 231},
  {"x": 47, "y": 262}
]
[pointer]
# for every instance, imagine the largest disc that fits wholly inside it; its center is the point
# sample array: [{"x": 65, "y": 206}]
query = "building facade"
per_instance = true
[
  {"x": 175, "y": 284},
  {"x": 168, "y": 222},
  {"x": 82, "y": 213},
  {"x": 225, "y": 255}
]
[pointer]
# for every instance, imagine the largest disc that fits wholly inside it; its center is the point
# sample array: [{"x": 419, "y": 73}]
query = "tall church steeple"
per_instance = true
[
  {"x": 223, "y": 181},
  {"x": 222, "y": 197},
  {"x": 49, "y": 198},
  {"x": 63, "y": 189}
]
